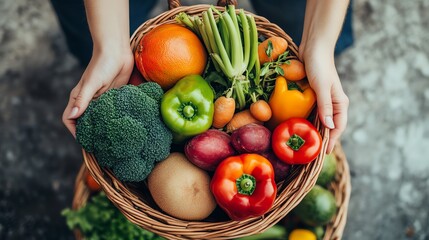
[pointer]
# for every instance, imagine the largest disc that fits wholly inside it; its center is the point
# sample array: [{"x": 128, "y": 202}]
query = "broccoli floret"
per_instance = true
[{"x": 124, "y": 130}]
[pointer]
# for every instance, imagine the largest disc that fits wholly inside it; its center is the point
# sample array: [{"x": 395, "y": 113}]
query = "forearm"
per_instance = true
[
  {"x": 322, "y": 25},
  {"x": 108, "y": 22}
]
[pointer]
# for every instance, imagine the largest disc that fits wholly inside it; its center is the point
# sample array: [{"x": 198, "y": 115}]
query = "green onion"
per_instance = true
[{"x": 231, "y": 39}]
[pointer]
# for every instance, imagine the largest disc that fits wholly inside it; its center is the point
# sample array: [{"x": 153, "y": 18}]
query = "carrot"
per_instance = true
[
  {"x": 260, "y": 110},
  {"x": 224, "y": 109},
  {"x": 270, "y": 49},
  {"x": 294, "y": 71},
  {"x": 240, "y": 119}
]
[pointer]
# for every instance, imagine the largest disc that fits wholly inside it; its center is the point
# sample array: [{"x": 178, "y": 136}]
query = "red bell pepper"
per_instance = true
[
  {"x": 244, "y": 186},
  {"x": 296, "y": 141}
]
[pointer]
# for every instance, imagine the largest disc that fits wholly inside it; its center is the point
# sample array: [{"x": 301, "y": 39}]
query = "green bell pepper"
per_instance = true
[{"x": 187, "y": 108}]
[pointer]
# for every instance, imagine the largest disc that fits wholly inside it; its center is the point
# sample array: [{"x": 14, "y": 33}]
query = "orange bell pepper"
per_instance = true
[{"x": 290, "y": 101}]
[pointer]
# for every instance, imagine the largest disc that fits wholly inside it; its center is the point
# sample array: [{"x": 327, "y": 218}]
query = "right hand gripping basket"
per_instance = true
[{"x": 137, "y": 205}]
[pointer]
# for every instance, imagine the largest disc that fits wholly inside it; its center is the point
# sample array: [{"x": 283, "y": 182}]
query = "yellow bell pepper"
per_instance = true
[
  {"x": 288, "y": 103},
  {"x": 302, "y": 234}
]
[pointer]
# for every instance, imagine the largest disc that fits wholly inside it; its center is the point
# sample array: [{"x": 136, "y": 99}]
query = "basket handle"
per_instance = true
[{"x": 176, "y": 3}]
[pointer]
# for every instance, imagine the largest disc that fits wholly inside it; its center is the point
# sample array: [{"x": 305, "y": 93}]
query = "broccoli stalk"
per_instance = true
[{"x": 124, "y": 130}]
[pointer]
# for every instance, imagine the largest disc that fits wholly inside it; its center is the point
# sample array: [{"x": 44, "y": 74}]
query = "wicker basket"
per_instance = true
[
  {"x": 340, "y": 187},
  {"x": 140, "y": 209}
]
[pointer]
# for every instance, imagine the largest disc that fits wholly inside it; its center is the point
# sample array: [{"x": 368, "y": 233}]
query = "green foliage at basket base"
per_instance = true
[{"x": 99, "y": 219}]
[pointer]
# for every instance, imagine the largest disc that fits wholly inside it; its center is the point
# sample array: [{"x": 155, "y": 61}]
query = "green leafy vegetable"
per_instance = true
[
  {"x": 271, "y": 70},
  {"x": 99, "y": 220},
  {"x": 123, "y": 128},
  {"x": 269, "y": 49}
]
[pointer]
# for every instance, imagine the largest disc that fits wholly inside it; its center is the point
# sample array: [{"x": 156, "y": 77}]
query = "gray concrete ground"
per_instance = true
[{"x": 385, "y": 74}]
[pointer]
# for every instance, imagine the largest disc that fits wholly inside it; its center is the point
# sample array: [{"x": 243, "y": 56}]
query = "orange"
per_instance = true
[
  {"x": 168, "y": 53},
  {"x": 294, "y": 71}
]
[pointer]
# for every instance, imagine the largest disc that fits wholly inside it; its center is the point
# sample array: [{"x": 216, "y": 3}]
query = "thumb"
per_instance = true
[
  {"x": 80, "y": 101},
  {"x": 324, "y": 105}
]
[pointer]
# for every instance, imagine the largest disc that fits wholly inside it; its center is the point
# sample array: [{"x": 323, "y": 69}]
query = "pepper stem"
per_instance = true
[
  {"x": 295, "y": 142},
  {"x": 188, "y": 110},
  {"x": 246, "y": 184},
  {"x": 294, "y": 86}
]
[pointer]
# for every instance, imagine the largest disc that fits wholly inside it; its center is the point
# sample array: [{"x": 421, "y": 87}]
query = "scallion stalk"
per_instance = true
[{"x": 231, "y": 38}]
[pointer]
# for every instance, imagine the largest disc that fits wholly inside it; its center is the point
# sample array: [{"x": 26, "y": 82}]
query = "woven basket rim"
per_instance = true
[
  {"x": 341, "y": 187},
  {"x": 141, "y": 213}
]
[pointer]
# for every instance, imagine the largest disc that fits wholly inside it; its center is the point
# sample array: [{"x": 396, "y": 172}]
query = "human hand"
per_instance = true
[
  {"x": 106, "y": 70},
  {"x": 332, "y": 102}
]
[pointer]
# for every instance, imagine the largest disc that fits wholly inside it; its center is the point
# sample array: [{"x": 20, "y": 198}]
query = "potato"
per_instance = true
[
  {"x": 208, "y": 149},
  {"x": 181, "y": 189},
  {"x": 251, "y": 138}
]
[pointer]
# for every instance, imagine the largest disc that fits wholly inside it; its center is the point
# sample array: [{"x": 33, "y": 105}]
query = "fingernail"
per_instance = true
[
  {"x": 73, "y": 112},
  {"x": 329, "y": 122}
]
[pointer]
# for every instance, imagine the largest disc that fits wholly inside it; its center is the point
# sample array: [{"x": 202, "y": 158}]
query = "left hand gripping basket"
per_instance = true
[{"x": 140, "y": 209}]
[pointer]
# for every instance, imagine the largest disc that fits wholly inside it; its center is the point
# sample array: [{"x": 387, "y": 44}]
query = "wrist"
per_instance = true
[
  {"x": 120, "y": 44},
  {"x": 316, "y": 50},
  {"x": 112, "y": 49}
]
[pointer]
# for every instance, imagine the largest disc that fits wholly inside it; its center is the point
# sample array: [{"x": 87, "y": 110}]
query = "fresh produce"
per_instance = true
[
  {"x": 241, "y": 119},
  {"x": 276, "y": 232},
  {"x": 317, "y": 208},
  {"x": 99, "y": 219},
  {"x": 209, "y": 148},
  {"x": 293, "y": 70},
  {"x": 181, "y": 189},
  {"x": 251, "y": 138},
  {"x": 290, "y": 100},
  {"x": 123, "y": 129},
  {"x": 168, "y": 53},
  {"x": 329, "y": 168},
  {"x": 228, "y": 92},
  {"x": 261, "y": 110},
  {"x": 302, "y": 234},
  {"x": 244, "y": 186},
  {"x": 271, "y": 70},
  {"x": 232, "y": 42},
  {"x": 296, "y": 141},
  {"x": 187, "y": 108},
  {"x": 319, "y": 231},
  {"x": 91, "y": 183},
  {"x": 224, "y": 109},
  {"x": 270, "y": 49},
  {"x": 281, "y": 169}
]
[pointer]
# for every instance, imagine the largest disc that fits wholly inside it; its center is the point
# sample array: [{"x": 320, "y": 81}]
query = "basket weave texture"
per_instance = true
[
  {"x": 135, "y": 201},
  {"x": 341, "y": 188}
]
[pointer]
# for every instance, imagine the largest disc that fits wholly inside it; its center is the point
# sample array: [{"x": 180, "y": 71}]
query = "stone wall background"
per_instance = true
[{"x": 385, "y": 74}]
